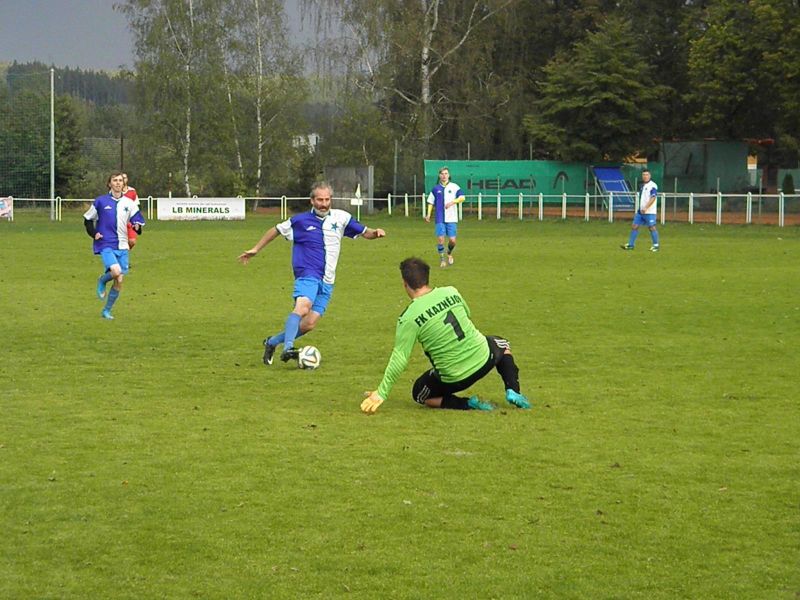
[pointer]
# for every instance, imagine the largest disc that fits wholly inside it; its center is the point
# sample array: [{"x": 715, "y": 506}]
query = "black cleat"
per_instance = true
[
  {"x": 268, "y": 353},
  {"x": 290, "y": 354}
]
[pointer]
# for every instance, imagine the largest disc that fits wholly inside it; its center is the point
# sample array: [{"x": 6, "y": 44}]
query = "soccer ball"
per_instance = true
[{"x": 309, "y": 358}]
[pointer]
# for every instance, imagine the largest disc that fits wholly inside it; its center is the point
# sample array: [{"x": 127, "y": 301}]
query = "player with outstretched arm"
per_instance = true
[
  {"x": 439, "y": 319},
  {"x": 106, "y": 222},
  {"x": 316, "y": 237}
]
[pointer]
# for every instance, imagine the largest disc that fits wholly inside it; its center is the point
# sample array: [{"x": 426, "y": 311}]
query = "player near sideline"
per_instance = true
[
  {"x": 646, "y": 215},
  {"x": 316, "y": 237},
  {"x": 443, "y": 200},
  {"x": 107, "y": 222},
  {"x": 130, "y": 192},
  {"x": 439, "y": 319}
]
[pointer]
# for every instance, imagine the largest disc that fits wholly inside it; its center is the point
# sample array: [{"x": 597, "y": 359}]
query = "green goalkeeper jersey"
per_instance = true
[{"x": 440, "y": 321}]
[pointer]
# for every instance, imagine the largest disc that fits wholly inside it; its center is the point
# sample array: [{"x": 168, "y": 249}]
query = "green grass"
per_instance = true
[{"x": 156, "y": 457}]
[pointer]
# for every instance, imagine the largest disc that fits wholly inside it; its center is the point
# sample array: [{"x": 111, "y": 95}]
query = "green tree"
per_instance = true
[
  {"x": 744, "y": 65},
  {"x": 598, "y": 101},
  {"x": 68, "y": 114},
  {"x": 778, "y": 29},
  {"x": 723, "y": 67},
  {"x": 403, "y": 51},
  {"x": 25, "y": 144},
  {"x": 217, "y": 93}
]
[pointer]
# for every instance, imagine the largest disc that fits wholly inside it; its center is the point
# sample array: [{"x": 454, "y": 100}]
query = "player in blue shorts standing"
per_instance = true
[
  {"x": 443, "y": 200},
  {"x": 316, "y": 238},
  {"x": 646, "y": 215},
  {"x": 106, "y": 222}
]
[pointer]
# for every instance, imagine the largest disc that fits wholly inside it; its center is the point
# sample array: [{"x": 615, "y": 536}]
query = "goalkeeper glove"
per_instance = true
[{"x": 371, "y": 402}]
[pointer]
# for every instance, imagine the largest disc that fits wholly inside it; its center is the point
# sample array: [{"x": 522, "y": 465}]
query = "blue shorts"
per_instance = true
[
  {"x": 115, "y": 257},
  {"x": 315, "y": 290},
  {"x": 640, "y": 219},
  {"x": 446, "y": 229}
]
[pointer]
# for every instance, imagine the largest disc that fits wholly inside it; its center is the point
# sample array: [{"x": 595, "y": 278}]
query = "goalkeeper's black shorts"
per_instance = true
[{"x": 430, "y": 385}]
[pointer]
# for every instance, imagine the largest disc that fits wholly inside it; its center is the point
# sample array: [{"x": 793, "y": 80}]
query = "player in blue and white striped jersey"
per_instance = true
[
  {"x": 316, "y": 238},
  {"x": 106, "y": 222},
  {"x": 647, "y": 213},
  {"x": 442, "y": 201}
]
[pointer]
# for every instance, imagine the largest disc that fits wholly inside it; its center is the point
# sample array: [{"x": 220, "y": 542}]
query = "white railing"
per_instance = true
[{"x": 750, "y": 208}]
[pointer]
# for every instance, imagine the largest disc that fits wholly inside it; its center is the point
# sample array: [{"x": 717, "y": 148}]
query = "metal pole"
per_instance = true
[
  {"x": 394, "y": 181},
  {"x": 52, "y": 135}
]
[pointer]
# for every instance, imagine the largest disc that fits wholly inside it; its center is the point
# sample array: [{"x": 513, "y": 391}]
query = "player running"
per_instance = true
[
  {"x": 107, "y": 222},
  {"x": 439, "y": 319}
]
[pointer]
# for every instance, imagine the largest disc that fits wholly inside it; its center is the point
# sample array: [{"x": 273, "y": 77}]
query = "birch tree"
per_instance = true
[
  {"x": 172, "y": 44},
  {"x": 265, "y": 71},
  {"x": 403, "y": 48}
]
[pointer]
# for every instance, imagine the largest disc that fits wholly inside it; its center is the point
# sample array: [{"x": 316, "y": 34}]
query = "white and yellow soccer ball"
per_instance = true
[{"x": 309, "y": 357}]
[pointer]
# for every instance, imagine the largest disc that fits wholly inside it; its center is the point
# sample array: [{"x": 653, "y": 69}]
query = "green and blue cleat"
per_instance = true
[
  {"x": 626, "y": 247},
  {"x": 106, "y": 314},
  {"x": 517, "y": 399},
  {"x": 475, "y": 403}
]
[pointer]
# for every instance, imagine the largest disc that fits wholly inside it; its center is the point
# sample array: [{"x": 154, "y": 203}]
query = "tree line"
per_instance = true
[{"x": 221, "y": 98}]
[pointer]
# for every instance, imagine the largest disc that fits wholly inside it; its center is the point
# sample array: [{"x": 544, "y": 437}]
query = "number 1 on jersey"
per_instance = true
[{"x": 451, "y": 320}]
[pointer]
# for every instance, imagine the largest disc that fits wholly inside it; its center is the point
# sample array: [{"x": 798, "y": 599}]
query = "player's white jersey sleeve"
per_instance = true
[{"x": 285, "y": 229}]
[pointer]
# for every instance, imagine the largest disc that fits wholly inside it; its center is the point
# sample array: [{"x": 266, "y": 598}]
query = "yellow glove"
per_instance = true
[{"x": 371, "y": 402}]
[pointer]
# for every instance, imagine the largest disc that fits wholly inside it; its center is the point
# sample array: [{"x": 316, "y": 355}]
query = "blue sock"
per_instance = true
[
  {"x": 292, "y": 329},
  {"x": 276, "y": 339},
  {"x": 279, "y": 337},
  {"x": 440, "y": 250},
  {"x": 112, "y": 297},
  {"x": 632, "y": 238},
  {"x": 106, "y": 277},
  {"x": 654, "y": 235}
]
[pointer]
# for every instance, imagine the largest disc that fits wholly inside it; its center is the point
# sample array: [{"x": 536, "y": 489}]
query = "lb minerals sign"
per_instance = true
[{"x": 200, "y": 209}]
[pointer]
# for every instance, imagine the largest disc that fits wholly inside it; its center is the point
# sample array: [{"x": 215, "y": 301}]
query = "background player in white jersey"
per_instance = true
[
  {"x": 106, "y": 222},
  {"x": 316, "y": 238},
  {"x": 648, "y": 210},
  {"x": 443, "y": 200}
]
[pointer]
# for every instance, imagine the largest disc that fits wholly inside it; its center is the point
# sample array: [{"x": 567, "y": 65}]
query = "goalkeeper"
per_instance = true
[{"x": 460, "y": 354}]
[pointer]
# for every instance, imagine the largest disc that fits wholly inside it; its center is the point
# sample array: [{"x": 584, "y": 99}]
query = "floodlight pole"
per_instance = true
[{"x": 52, "y": 136}]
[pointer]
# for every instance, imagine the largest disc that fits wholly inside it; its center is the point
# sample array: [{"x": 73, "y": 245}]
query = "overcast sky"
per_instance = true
[
  {"x": 88, "y": 34},
  {"x": 67, "y": 33}
]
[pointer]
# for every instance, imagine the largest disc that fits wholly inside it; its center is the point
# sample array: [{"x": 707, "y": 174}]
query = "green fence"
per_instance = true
[{"x": 510, "y": 178}]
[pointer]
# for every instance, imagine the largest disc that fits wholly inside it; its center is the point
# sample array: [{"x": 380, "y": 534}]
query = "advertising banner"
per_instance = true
[
  {"x": 510, "y": 178},
  {"x": 200, "y": 209}
]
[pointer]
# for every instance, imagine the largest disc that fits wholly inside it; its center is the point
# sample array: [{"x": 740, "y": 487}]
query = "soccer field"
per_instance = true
[{"x": 155, "y": 456}]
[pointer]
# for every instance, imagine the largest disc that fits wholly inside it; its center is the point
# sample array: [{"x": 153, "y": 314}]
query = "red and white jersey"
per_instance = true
[{"x": 131, "y": 193}]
